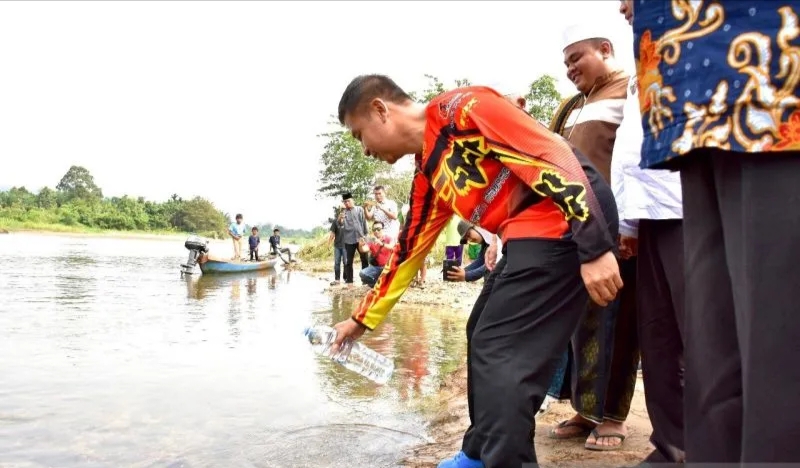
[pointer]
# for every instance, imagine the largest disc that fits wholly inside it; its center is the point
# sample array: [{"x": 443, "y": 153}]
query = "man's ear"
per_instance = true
[
  {"x": 380, "y": 107},
  {"x": 606, "y": 50}
]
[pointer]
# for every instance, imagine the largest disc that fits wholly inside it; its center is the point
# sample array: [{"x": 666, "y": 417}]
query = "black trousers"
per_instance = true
[
  {"x": 742, "y": 249},
  {"x": 350, "y": 254},
  {"x": 518, "y": 329},
  {"x": 254, "y": 254},
  {"x": 661, "y": 329}
]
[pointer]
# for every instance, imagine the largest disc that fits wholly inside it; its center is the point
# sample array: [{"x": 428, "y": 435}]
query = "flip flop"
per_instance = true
[
  {"x": 587, "y": 429},
  {"x": 605, "y": 448}
]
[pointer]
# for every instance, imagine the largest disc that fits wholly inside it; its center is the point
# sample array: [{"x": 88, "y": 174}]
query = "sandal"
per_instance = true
[
  {"x": 586, "y": 429},
  {"x": 605, "y": 448}
]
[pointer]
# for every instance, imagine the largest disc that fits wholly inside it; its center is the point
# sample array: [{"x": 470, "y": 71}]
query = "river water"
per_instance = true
[{"x": 108, "y": 358}]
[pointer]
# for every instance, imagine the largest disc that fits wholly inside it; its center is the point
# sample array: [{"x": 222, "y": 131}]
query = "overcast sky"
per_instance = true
[{"x": 225, "y": 99}]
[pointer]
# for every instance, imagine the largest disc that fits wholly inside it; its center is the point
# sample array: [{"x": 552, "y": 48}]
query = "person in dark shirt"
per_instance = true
[
  {"x": 275, "y": 245},
  {"x": 337, "y": 239},
  {"x": 254, "y": 242}
]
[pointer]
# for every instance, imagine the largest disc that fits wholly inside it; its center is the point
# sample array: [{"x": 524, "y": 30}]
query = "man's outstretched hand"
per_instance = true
[
  {"x": 346, "y": 329},
  {"x": 601, "y": 277}
]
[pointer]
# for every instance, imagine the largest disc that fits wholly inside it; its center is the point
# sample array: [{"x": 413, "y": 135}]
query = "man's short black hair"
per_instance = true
[
  {"x": 238, "y": 216},
  {"x": 378, "y": 187},
  {"x": 276, "y": 230},
  {"x": 365, "y": 88},
  {"x": 377, "y": 223}
]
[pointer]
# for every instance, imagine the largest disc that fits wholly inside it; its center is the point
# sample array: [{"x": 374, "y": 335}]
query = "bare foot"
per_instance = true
[
  {"x": 575, "y": 426},
  {"x": 610, "y": 434}
]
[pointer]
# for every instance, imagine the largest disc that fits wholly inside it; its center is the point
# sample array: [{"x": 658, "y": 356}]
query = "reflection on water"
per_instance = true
[{"x": 109, "y": 358}]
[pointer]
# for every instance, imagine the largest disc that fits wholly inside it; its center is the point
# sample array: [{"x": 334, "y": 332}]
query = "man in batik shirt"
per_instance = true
[
  {"x": 718, "y": 86},
  {"x": 483, "y": 159}
]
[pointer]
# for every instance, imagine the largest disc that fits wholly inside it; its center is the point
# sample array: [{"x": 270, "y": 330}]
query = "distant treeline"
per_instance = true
[{"x": 77, "y": 201}]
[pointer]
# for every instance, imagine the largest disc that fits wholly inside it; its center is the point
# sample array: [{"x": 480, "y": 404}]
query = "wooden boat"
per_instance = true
[{"x": 209, "y": 264}]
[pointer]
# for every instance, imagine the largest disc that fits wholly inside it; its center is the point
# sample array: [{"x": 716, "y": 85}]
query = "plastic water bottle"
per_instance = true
[{"x": 352, "y": 354}]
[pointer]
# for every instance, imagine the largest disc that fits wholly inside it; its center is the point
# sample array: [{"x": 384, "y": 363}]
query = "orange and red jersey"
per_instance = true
[{"x": 488, "y": 162}]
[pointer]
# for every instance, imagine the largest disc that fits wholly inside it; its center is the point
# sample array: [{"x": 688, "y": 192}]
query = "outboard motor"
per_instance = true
[{"x": 196, "y": 246}]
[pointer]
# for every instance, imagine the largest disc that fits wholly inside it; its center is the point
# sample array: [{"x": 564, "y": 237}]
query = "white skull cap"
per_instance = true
[{"x": 582, "y": 32}]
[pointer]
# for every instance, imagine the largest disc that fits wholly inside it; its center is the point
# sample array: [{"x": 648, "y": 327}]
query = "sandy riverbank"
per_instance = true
[
  {"x": 446, "y": 424},
  {"x": 107, "y": 234}
]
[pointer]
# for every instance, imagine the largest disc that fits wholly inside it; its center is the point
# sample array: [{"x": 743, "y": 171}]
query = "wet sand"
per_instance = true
[{"x": 449, "y": 419}]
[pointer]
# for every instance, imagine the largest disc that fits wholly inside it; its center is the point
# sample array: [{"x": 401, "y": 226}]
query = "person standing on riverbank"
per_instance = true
[
  {"x": 385, "y": 211},
  {"x": 651, "y": 227},
  {"x": 720, "y": 103},
  {"x": 236, "y": 231},
  {"x": 480, "y": 157},
  {"x": 605, "y": 354},
  {"x": 336, "y": 238},
  {"x": 354, "y": 228}
]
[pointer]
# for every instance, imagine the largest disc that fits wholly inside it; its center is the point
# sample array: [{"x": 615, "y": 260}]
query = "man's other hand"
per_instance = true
[
  {"x": 601, "y": 277},
  {"x": 490, "y": 257}
]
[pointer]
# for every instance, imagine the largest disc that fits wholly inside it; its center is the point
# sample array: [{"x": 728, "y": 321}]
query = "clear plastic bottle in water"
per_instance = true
[{"x": 352, "y": 354}]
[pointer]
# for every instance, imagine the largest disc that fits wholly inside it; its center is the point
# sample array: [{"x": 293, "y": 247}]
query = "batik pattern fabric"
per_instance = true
[{"x": 716, "y": 74}]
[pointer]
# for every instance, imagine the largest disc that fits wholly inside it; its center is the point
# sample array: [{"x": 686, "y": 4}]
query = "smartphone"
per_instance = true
[{"x": 446, "y": 266}]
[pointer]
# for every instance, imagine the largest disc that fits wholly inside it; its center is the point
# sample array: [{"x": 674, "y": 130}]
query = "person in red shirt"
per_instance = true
[
  {"x": 380, "y": 247},
  {"x": 480, "y": 157}
]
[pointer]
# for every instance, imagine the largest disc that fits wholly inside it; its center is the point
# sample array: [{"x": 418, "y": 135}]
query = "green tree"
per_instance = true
[
  {"x": 79, "y": 183},
  {"x": 345, "y": 168},
  {"x": 18, "y": 197},
  {"x": 542, "y": 99},
  {"x": 47, "y": 198},
  {"x": 199, "y": 215}
]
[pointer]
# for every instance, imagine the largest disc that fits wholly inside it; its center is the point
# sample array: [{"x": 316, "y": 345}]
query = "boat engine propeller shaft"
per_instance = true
[{"x": 196, "y": 246}]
